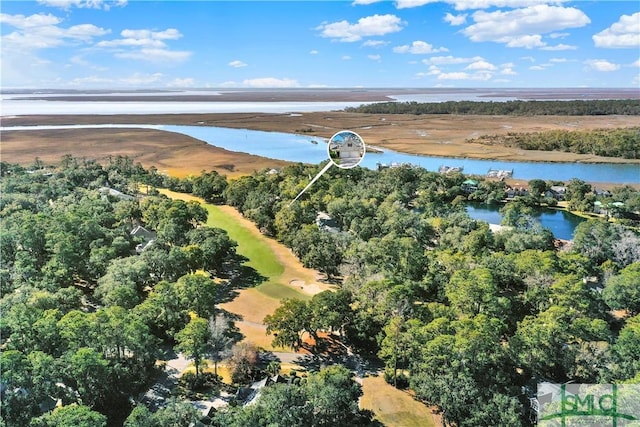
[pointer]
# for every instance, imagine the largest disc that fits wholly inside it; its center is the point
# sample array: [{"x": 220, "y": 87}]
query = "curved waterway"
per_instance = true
[
  {"x": 309, "y": 149},
  {"x": 561, "y": 223}
]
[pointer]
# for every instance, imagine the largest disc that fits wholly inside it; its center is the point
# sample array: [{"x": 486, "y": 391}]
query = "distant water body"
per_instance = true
[
  {"x": 301, "y": 148},
  {"x": 16, "y": 104}
]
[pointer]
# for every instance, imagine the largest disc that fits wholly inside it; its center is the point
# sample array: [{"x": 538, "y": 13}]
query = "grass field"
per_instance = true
[
  {"x": 446, "y": 135},
  {"x": 260, "y": 255},
  {"x": 284, "y": 275},
  {"x": 393, "y": 407}
]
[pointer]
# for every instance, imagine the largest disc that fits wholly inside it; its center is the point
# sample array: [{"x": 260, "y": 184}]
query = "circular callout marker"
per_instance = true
[{"x": 346, "y": 149}]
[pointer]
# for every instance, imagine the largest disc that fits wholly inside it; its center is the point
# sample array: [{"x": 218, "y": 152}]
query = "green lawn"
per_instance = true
[
  {"x": 251, "y": 245},
  {"x": 261, "y": 258}
]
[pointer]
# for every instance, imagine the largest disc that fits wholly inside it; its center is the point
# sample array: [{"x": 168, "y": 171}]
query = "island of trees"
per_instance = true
[
  {"x": 468, "y": 319},
  {"x": 509, "y": 108}
]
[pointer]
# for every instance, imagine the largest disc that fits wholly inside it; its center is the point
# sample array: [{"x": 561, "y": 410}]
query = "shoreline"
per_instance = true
[{"x": 426, "y": 135}]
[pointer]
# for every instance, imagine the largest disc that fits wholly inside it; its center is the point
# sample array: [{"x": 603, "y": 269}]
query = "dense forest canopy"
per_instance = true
[
  {"x": 469, "y": 319},
  {"x": 623, "y": 142},
  {"x": 510, "y": 108}
]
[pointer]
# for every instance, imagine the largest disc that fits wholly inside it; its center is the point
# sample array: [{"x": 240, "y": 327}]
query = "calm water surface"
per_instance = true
[
  {"x": 561, "y": 223},
  {"x": 301, "y": 148}
]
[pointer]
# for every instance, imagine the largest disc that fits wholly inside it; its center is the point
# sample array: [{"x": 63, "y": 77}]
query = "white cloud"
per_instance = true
[
  {"x": 374, "y": 57},
  {"x": 346, "y": 58},
  {"x": 405, "y": 4},
  {"x": 508, "y": 71},
  {"x": 376, "y": 25},
  {"x": 559, "y": 60},
  {"x": 364, "y": 2},
  {"x": 229, "y": 83},
  {"x": 623, "y": 34},
  {"x": 146, "y": 45},
  {"x": 42, "y": 31},
  {"x": 146, "y": 38},
  {"x": 485, "y": 4},
  {"x": 448, "y": 60},
  {"x": 454, "y": 76},
  {"x": 474, "y": 4},
  {"x": 481, "y": 65},
  {"x": 168, "y": 34},
  {"x": 419, "y": 47},
  {"x": 523, "y": 27},
  {"x": 526, "y": 41},
  {"x": 529, "y": 58},
  {"x": 455, "y": 20},
  {"x": 559, "y": 47},
  {"x": 480, "y": 75},
  {"x": 78, "y": 60},
  {"x": 155, "y": 55},
  {"x": 434, "y": 71},
  {"x": 374, "y": 43},
  {"x": 313, "y": 52},
  {"x": 89, "y": 4},
  {"x": 636, "y": 64},
  {"x": 602, "y": 65},
  {"x": 178, "y": 82},
  {"x": 270, "y": 82},
  {"x": 33, "y": 21},
  {"x": 558, "y": 35},
  {"x": 141, "y": 79},
  {"x": 237, "y": 64}
]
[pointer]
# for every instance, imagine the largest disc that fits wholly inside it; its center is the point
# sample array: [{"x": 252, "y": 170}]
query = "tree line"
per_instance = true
[
  {"x": 623, "y": 142},
  {"x": 509, "y": 108},
  {"x": 466, "y": 318}
]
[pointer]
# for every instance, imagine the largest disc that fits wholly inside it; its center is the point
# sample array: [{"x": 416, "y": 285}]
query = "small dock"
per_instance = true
[
  {"x": 444, "y": 169},
  {"x": 499, "y": 173}
]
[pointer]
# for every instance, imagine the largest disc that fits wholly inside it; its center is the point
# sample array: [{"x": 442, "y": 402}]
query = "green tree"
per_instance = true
[
  {"x": 475, "y": 291},
  {"x": 71, "y": 415},
  {"x": 537, "y": 188},
  {"x": 622, "y": 291},
  {"x": 215, "y": 244},
  {"x": 198, "y": 293},
  {"x": 176, "y": 413},
  {"x": 334, "y": 397},
  {"x": 89, "y": 373},
  {"x": 209, "y": 185},
  {"x": 626, "y": 349},
  {"x": 140, "y": 417},
  {"x": 193, "y": 342},
  {"x": 289, "y": 322}
]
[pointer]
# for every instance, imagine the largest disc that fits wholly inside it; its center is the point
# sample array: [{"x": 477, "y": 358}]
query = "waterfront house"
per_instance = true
[
  {"x": 556, "y": 191},
  {"x": 469, "y": 186}
]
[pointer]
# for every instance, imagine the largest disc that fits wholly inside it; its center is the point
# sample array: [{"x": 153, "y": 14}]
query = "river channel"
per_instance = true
[{"x": 308, "y": 149}]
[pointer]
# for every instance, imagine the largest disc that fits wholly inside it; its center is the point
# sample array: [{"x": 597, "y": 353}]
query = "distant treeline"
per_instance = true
[
  {"x": 623, "y": 143},
  {"x": 513, "y": 108}
]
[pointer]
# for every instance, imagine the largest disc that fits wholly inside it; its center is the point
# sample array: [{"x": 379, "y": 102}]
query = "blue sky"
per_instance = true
[{"x": 363, "y": 43}]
